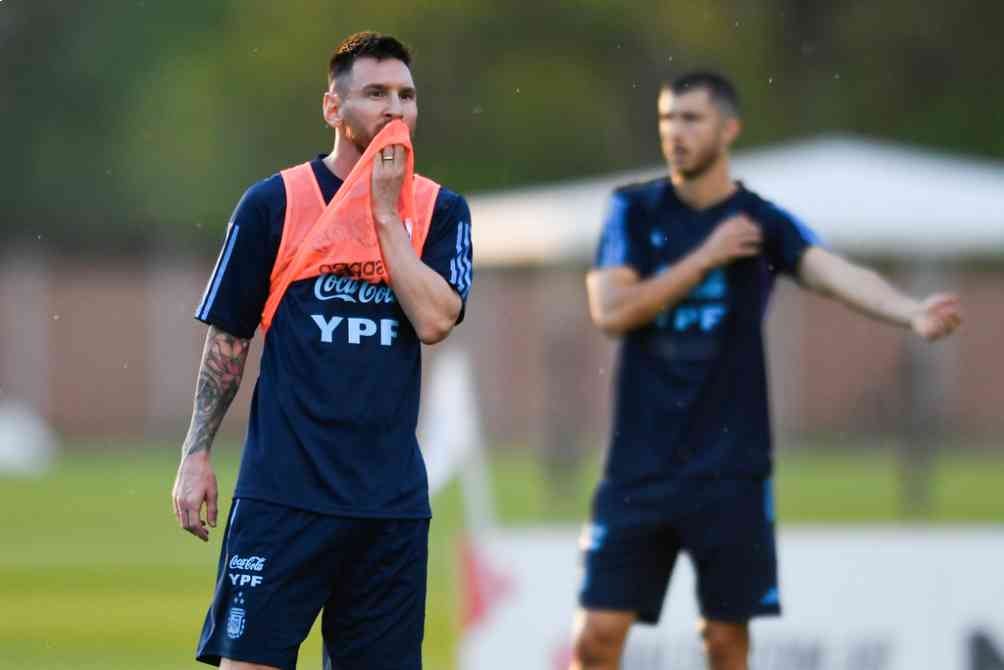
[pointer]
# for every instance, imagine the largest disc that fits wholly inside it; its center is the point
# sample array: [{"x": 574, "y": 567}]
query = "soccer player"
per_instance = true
[
  {"x": 331, "y": 508},
  {"x": 682, "y": 275}
]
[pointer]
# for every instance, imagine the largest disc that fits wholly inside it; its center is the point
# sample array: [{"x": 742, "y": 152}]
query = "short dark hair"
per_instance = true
[
  {"x": 721, "y": 90},
  {"x": 365, "y": 44}
]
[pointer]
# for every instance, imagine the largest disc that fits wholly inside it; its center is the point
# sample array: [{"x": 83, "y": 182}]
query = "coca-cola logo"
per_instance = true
[
  {"x": 249, "y": 563},
  {"x": 349, "y": 289}
]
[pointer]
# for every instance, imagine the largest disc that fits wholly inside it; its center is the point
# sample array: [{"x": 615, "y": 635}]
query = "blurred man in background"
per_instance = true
[
  {"x": 331, "y": 509},
  {"x": 683, "y": 275}
]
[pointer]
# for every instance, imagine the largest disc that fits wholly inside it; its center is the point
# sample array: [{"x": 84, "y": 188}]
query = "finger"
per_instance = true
[
  {"x": 949, "y": 324},
  {"x": 193, "y": 524},
  {"x": 948, "y": 320},
  {"x": 392, "y": 153},
  {"x": 211, "y": 507},
  {"x": 186, "y": 521},
  {"x": 176, "y": 504},
  {"x": 944, "y": 301},
  {"x": 950, "y": 310}
]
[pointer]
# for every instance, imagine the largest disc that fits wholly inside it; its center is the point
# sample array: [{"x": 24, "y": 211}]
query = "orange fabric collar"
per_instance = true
[{"x": 342, "y": 240}]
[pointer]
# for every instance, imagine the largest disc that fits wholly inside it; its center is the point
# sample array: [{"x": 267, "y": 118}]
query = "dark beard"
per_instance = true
[
  {"x": 704, "y": 164},
  {"x": 360, "y": 142},
  {"x": 359, "y": 137}
]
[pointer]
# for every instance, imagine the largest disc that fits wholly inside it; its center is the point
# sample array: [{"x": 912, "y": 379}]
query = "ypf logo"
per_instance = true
[{"x": 356, "y": 329}]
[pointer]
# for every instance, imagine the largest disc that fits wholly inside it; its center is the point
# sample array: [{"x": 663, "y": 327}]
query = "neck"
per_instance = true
[
  {"x": 343, "y": 157},
  {"x": 707, "y": 189}
]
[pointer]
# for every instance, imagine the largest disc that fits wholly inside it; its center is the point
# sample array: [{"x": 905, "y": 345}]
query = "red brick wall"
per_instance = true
[{"x": 121, "y": 353}]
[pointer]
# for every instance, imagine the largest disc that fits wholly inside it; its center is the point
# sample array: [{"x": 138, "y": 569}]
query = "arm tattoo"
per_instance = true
[{"x": 219, "y": 378}]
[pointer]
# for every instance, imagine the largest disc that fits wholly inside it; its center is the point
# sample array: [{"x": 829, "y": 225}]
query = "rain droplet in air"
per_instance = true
[
  {"x": 55, "y": 317},
  {"x": 478, "y": 109},
  {"x": 770, "y": 80}
]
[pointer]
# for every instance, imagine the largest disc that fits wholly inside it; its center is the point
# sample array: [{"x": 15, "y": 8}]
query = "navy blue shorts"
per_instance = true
[
  {"x": 280, "y": 566},
  {"x": 727, "y": 528}
]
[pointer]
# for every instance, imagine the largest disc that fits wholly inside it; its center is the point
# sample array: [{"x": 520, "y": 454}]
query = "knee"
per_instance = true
[
  {"x": 598, "y": 645},
  {"x": 726, "y": 644}
]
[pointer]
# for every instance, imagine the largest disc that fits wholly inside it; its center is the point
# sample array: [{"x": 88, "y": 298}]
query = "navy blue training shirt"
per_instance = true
[
  {"x": 335, "y": 407},
  {"x": 691, "y": 389}
]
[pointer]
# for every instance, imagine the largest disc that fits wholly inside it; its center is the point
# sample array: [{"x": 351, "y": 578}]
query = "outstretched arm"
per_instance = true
[
  {"x": 220, "y": 376},
  {"x": 865, "y": 291}
]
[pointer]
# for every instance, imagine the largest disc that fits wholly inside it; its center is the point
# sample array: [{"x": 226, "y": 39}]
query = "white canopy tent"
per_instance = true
[{"x": 862, "y": 196}]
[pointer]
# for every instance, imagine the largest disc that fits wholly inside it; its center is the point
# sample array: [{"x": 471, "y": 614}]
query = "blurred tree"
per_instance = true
[{"x": 138, "y": 124}]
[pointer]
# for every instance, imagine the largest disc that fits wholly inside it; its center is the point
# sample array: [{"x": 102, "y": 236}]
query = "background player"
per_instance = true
[
  {"x": 331, "y": 507},
  {"x": 683, "y": 274}
]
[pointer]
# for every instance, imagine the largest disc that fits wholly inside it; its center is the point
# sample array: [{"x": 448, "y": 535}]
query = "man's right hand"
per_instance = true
[
  {"x": 194, "y": 486},
  {"x": 734, "y": 238}
]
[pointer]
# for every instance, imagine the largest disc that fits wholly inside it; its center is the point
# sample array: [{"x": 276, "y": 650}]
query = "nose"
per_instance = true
[{"x": 395, "y": 108}]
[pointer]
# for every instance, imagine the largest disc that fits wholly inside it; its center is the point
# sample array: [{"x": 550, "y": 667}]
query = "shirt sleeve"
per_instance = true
[
  {"x": 617, "y": 246},
  {"x": 788, "y": 238},
  {"x": 238, "y": 287},
  {"x": 448, "y": 248}
]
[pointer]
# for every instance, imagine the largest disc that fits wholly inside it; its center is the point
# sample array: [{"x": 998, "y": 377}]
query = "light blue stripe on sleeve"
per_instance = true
[
  {"x": 613, "y": 249},
  {"x": 808, "y": 234},
  {"x": 468, "y": 264},
  {"x": 768, "y": 499},
  {"x": 460, "y": 265},
  {"x": 221, "y": 269}
]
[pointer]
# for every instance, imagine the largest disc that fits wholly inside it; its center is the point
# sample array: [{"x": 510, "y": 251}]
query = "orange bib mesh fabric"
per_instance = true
[{"x": 340, "y": 237}]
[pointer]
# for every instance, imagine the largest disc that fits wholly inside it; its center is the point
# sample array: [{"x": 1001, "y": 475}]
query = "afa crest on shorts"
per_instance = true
[{"x": 235, "y": 622}]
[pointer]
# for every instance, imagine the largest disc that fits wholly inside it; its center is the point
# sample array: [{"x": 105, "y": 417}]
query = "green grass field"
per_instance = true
[{"x": 94, "y": 572}]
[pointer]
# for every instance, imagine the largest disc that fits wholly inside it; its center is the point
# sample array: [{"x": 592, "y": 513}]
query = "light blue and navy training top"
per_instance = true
[
  {"x": 335, "y": 407},
  {"x": 691, "y": 387}
]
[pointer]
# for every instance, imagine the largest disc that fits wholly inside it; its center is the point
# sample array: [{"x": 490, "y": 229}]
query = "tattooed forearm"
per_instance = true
[{"x": 219, "y": 378}]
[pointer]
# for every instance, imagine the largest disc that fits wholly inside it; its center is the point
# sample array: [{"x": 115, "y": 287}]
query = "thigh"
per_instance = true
[
  {"x": 375, "y": 618},
  {"x": 627, "y": 568},
  {"x": 732, "y": 543},
  {"x": 270, "y": 587}
]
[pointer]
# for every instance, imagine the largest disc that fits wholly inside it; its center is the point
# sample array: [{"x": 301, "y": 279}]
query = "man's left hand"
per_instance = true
[{"x": 938, "y": 316}]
